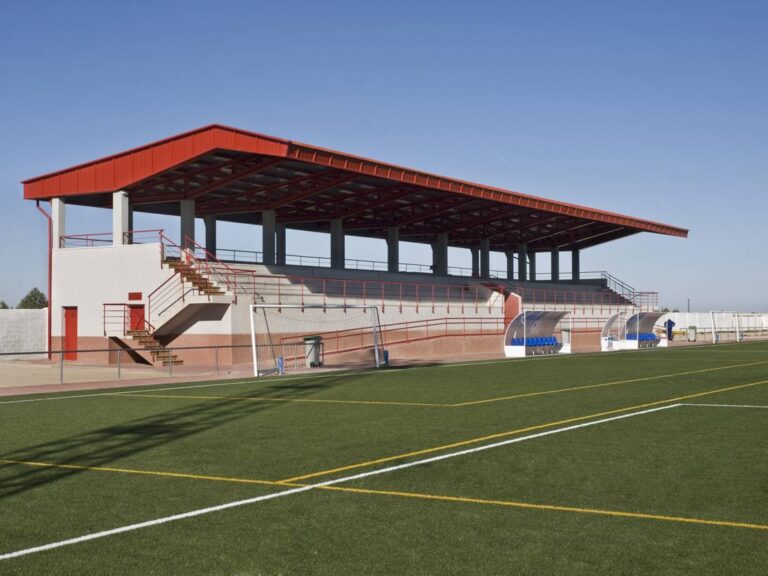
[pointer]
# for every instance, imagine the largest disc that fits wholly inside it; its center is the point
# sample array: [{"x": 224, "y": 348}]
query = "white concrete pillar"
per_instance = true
[
  {"x": 337, "y": 244},
  {"x": 210, "y": 233},
  {"x": 280, "y": 244},
  {"x": 58, "y": 217},
  {"x": 510, "y": 254},
  {"x": 522, "y": 260},
  {"x": 187, "y": 217},
  {"x": 120, "y": 218},
  {"x": 532, "y": 266},
  {"x": 485, "y": 258},
  {"x": 440, "y": 255},
  {"x": 130, "y": 224},
  {"x": 475, "y": 252},
  {"x": 575, "y": 265},
  {"x": 555, "y": 265},
  {"x": 268, "y": 219},
  {"x": 393, "y": 249}
]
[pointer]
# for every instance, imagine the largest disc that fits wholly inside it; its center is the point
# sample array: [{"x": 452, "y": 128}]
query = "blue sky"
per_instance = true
[{"x": 655, "y": 109}]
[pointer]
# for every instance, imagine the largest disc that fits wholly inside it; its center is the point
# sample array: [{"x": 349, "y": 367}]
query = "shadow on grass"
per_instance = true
[{"x": 102, "y": 447}]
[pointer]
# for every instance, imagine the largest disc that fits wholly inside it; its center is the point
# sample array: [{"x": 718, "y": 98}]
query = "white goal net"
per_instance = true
[{"x": 298, "y": 339}]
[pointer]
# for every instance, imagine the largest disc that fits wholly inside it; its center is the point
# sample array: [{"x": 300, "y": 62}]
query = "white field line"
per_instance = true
[
  {"x": 297, "y": 490},
  {"x": 723, "y": 405}
]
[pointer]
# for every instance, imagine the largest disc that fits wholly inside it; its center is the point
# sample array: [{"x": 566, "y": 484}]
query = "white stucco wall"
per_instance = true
[
  {"x": 23, "y": 331},
  {"x": 91, "y": 277}
]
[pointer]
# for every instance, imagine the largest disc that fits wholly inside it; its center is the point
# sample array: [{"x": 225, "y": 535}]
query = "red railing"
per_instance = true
[
  {"x": 175, "y": 289},
  {"x": 116, "y": 317},
  {"x": 212, "y": 267},
  {"x": 361, "y": 338},
  {"x": 106, "y": 238},
  {"x": 578, "y": 301}
]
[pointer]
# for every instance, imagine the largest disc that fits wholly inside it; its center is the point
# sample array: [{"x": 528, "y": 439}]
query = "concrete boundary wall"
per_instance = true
[{"x": 23, "y": 331}]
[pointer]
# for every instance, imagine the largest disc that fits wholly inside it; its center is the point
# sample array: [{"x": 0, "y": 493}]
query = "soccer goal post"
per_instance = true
[{"x": 292, "y": 339}]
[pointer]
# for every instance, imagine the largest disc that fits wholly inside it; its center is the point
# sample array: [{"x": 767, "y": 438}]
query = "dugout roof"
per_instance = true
[{"x": 235, "y": 175}]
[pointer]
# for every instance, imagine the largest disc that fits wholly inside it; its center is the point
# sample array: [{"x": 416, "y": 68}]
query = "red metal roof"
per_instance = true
[{"x": 236, "y": 174}]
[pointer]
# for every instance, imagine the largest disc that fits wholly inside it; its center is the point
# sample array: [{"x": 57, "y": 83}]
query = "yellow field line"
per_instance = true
[
  {"x": 513, "y": 432},
  {"x": 438, "y": 405},
  {"x": 551, "y": 507},
  {"x": 267, "y": 399},
  {"x": 588, "y": 386},
  {"x": 139, "y": 472},
  {"x": 414, "y": 495}
]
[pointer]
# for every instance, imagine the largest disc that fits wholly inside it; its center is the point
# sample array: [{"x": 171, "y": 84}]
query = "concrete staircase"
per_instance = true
[
  {"x": 157, "y": 351},
  {"x": 189, "y": 274}
]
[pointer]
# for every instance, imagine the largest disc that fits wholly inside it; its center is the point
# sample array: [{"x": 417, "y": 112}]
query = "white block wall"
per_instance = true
[
  {"x": 23, "y": 331},
  {"x": 91, "y": 277}
]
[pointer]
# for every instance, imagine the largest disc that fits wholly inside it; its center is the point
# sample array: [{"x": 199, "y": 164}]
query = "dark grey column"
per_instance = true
[
  {"x": 510, "y": 254},
  {"x": 575, "y": 265},
  {"x": 187, "y": 224},
  {"x": 522, "y": 260},
  {"x": 280, "y": 244},
  {"x": 555, "y": 266},
  {"x": 337, "y": 244},
  {"x": 210, "y": 234},
  {"x": 440, "y": 255},
  {"x": 485, "y": 258},
  {"x": 268, "y": 237},
  {"x": 393, "y": 249}
]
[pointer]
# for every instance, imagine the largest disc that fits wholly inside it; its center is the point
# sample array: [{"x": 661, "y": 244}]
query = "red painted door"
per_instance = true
[
  {"x": 137, "y": 317},
  {"x": 70, "y": 333}
]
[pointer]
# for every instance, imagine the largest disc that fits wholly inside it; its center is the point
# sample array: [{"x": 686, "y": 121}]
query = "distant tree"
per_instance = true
[
  {"x": 675, "y": 310},
  {"x": 34, "y": 300},
  {"x": 3, "y": 305},
  {"x": 665, "y": 309}
]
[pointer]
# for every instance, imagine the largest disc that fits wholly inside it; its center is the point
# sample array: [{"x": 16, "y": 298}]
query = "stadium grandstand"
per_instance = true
[{"x": 153, "y": 292}]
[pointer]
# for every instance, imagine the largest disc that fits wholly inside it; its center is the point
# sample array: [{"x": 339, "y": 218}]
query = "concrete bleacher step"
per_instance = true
[
  {"x": 195, "y": 277},
  {"x": 157, "y": 351}
]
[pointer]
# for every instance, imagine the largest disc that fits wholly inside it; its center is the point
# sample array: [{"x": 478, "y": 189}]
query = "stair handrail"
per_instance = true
[
  {"x": 125, "y": 309},
  {"x": 230, "y": 276}
]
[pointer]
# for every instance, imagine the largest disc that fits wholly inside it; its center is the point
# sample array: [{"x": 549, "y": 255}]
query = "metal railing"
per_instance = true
[{"x": 116, "y": 319}]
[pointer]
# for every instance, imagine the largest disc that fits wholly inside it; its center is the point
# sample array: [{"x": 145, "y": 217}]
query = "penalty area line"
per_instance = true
[{"x": 319, "y": 485}]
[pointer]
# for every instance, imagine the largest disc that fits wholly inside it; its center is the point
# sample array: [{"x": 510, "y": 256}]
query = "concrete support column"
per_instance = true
[
  {"x": 575, "y": 265},
  {"x": 393, "y": 249},
  {"x": 120, "y": 215},
  {"x": 268, "y": 237},
  {"x": 187, "y": 228},
  {"x": 58, "y": 216},
  {"x": 510, "y": 254},
  {"x": 532, "y": 266},
  {"x": 485, "y": 258},
  {"x": 475, "y": 261},
  {"x": 555, "y": 266},
  {"x": 280, "y": 244},
  {"x": 522, "y": 259},
  {"x": 440, "y": 255},
  {"x": 337, "y": 244},
  {"x": 130, "y": 224},
  {"x": 210, "y": 233}
]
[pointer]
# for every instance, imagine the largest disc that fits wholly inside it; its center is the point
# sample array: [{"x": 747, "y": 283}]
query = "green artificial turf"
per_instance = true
[{"x": 540, "y": 506}]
